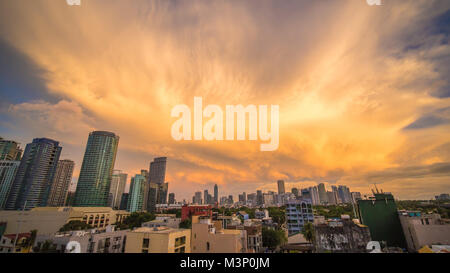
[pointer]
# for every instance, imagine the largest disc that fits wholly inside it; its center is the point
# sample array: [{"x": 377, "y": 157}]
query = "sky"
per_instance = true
[{"x": 363, "y": 91}]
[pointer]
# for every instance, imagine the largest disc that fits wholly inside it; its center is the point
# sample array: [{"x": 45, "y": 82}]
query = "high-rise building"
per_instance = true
[
  {"x": 197, "y": 198},
  {"x": 96, "y": 170},
  {"x": 332, "y": 198},
  {"x": 158, "y": 170},
  {"x": 61, "y": 183},
  {"x": 34, "y": 177},
  {"x": 124, "y": 201},
  {"x": 8, "y": 170},
  {"x": 298, "y": 213},
  {"x": 136, "y": 194},
  {"x": 281, "y": 189},
  {"x": 259, "y": 198},
  {"x": 306, "y": 194},
  {"x": 10, "y": 150},
  {"x": 117, "y": 188},
  {"x": 356, "y": 196},
  {"x": 216, "y": 193},
  {"x": 230, "y": 199},
  {"x": 294, "y": 191},
  {"x": 206, "y": 197},
  {"x": 344, "y": 194},
  {"x": 380, "y": 214},
  {"x": 322, "y": 193},
  {"x": 171, "y": 198},
  {"x": 314, "y": 195}
]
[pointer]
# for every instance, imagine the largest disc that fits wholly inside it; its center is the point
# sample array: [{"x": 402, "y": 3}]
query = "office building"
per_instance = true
[
  {"x": 96, "y": 170},
  {"x": 10, "y": 150},
  {"x": 281, "y": 189},
  {"x": 197, "y": 199},
  {"x": 298, "y": 213},
  {"x": 171, "y": 198},
  {"x": 259, "y": 198},
  {"x": 158, "y": 170},
  {"x": 8, "y": 170},
  {"x": 136, "y": 194},
  {"x": 117, "y": 188},
  {"x": 124, "y": 201},
  {"x": 158, "y": 240},
  {"x": 33, "y": 181},
  {"x": 61, "y": 183}
]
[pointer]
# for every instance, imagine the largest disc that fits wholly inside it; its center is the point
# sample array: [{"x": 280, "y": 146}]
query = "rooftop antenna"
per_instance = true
[{"x": 375, "y": 184}]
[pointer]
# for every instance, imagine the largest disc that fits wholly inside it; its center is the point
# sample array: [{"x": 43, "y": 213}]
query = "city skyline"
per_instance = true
[{"x": 363, "y": 94}]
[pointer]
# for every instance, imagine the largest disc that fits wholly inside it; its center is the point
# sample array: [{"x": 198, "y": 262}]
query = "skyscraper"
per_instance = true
[
  {"x": 96, "y": 170},
  {"x": 197, "y": 199},
  {"x": 259, "y": 198},
  {"x": 136, "y": 194},
  {"x": 158, "y": 170},
  {"x": 171, "y": 198},
  {"x": 344, "y": 194},
  {"x": 281, "y": 187},
  {"x": 34, "y": 177},
  {"x": 157, "y": 188},
  {"x": 10, "y": 150},
  {"x": 8, "y": 170},
  {"x": 117, "y": 188},
  {"x": 61, "y": 183},
  {"x": 216, "y": 193},
  {"x": 205, "y": 197},
  {"x": 322, "y": 193}
]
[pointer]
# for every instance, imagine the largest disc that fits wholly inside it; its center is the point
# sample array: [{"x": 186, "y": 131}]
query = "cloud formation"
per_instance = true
[{"x": 351, "y": 80}]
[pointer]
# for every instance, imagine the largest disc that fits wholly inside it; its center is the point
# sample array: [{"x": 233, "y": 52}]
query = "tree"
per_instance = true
[
  {"x": 135, "y": 220},
  {"x": 273, "y": 238},
  {"x": 308, "y": 232},
  {"x": 75, "y": 225},
  {"x": 186, "y": 224}
]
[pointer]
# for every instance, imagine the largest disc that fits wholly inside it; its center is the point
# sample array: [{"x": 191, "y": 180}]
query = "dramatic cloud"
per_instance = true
[{"x": 361, "y": 88}]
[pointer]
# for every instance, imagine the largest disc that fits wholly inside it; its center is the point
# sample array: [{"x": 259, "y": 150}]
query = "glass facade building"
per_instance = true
[
  {"x": 136, "y": 194},
  {"x": 61, "y": 183},
  {"x": 35, "y": 175},
  {"x": 8, "y": 170},
  {"x": 96, "y": 170}
]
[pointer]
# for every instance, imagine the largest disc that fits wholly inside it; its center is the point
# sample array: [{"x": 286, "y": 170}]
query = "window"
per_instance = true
[
  {"x": 145, "y": 243},
  {"x": 207, "y": 246}
]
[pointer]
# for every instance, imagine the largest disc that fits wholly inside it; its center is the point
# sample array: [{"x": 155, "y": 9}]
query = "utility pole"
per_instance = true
[{"x": 18, "y": 227}]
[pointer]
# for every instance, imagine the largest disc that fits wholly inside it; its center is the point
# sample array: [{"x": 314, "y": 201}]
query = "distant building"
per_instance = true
[
  {"x": 157, "y": 194},
  {"x": 34, "y": 177},
  {"x": 10, "y": 150},
  {"x": 281, "y": 189},
  {"x": 298, "y": 213},
  {"x": 381, "y": 216},
  {"x": 443, "y": 196},
  {"x": 295, "y": 192},
  {"x": 171, "y": 198},
  {"x": 96, "y": 170},
  {"x": 209, "y": 237},
  {"x": 61, "y": 183},
  {"x": 332, "y": 198},
  {"x": 344, "y": 194},
  {"x": 117, "y": 188},
  {"x": 158, "y": 240},
  {"x": 197, "y": 199},
  {"x": 158, "y": 170},
  {"x": 187, "y": 211},
  {"x": 355, "y": 197},
  {"x": 323, "y": 197},
  {"x": 314, "y": 195},
  {"x": 8, "y": 170},
  {"x": 424, "y": 229},
  {"x": 342, "y": 236},
  {"x": 91, "y": 241},
  {"x": 253, "y": 230},
  {"x": 216, "y": 193},
  {"x": 259, "y": 198},
  {"x": 136, "y": 194}
]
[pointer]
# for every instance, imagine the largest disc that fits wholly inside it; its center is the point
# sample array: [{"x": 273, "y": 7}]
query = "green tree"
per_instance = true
[
  {"x": 273, "y": 238},
  {"x": 186, "y": 224},
  {"x": 75, "y": 225},
  {"x": 135, "y": 220},
  {"x": 308, "y": 232}
]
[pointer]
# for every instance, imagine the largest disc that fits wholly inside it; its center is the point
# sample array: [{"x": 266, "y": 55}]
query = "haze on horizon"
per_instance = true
[{"x": 364, "y": 91}]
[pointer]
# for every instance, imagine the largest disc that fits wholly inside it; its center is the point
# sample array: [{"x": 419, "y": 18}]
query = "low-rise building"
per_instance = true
[
  {"x": 424, "y": 229},
  {"x": 344, "y": 236},
  {"x": 163, "y": 220},
  {"x": 188, "y": 211},
  {"x": 89, "y": 241},
  {"x": 48, "y": 220},
  {"x": 21, "y": 243},
  {"x": 208, "y": 236},
  {"x": 158, "y": 240},
  {"x": 298, "y": 213}
]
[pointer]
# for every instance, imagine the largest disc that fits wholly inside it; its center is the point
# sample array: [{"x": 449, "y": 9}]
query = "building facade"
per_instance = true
[
  {"x": 158, "y": 240},
  {"x": 33, "y": 181},
  {"x": 8, "y": 170},
  {"x": 10, "y": 150},
  {"x": 136, "y": 194},
  {"x": 96, "y": 170},
  {"x": 298, "y": 213},
  {"x": 117, "y": 188},
  {"x": 61, "y": 183}
]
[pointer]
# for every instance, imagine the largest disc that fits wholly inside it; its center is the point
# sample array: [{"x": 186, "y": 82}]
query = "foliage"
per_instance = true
[
  {"x": 308, "y": 232},
  {"x": 177, "y": 212},
  {"x": 135, "y": 220},
  {"x": 432, "y": 206},
  {"x": 278, "y": 215},
  {"x": 334, "y": 211},
  {"x": 273, "y": 238},
  {"x": 186, "y": 224},
  {"x": 75, "y": 225}
]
